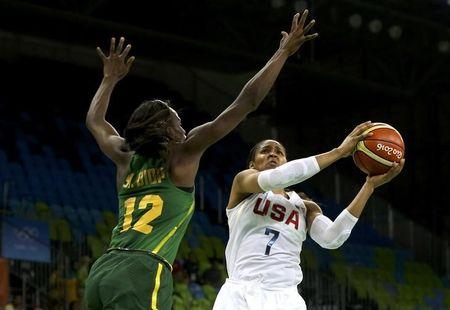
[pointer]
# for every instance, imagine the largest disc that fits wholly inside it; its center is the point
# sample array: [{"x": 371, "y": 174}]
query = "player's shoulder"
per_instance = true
[
  {"x": 237, "y": 195},
  {"x": 120, "y": 155},
  {"x": 242, "y": 179},
  {"x": 245, "y": 173},
  {"x": 310, "y": 205}
]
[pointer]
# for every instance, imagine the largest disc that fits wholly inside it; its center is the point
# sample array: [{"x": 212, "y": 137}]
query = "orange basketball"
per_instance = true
[{"x": 376, "y": 154}]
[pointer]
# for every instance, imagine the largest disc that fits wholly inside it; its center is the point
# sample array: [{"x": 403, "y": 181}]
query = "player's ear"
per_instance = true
[{"x": 251, "y": 165}]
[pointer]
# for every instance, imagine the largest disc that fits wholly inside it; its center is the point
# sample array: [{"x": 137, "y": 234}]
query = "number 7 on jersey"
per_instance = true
[{"x": 275, "y": 233}]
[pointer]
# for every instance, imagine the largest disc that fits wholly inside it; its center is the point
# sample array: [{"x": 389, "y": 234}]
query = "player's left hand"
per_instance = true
[
  {"x": 348, "y": 145},
  {"x": 291, "y": 42},
  {"x": 378, "y": 180}
]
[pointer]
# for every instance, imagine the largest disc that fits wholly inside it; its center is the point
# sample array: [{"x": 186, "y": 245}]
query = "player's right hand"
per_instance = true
[
  {"x": 291, "y": 42},
  {"x": 348, "y": 145},
  {"x": 116, "y": 65}
]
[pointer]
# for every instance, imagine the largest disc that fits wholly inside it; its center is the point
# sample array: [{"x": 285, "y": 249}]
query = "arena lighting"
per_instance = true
[
  {"x": 276, "y": 4},
  {"x": 395, "y": 32},
  {"x": 301, "y": 5},
  {"x": 355, "y": 21},
  {"x": 375, "y": 26},
  {"x": 444, "y": 46}
]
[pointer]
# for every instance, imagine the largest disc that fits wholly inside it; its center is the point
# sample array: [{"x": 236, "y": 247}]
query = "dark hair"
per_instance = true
[
  {"x": 304, "y": 196},
  {"x": 251, "y": 155},
  {"x": 146, "y": 132}
]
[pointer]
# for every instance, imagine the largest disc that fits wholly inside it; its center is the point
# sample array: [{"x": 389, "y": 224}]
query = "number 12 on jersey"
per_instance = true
[
  {"x": 275, "y": 233},
  {"x": 143, "y": 223}
]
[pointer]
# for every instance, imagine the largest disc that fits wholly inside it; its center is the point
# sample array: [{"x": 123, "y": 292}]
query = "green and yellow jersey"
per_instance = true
[{"x": 153, "y": 212}]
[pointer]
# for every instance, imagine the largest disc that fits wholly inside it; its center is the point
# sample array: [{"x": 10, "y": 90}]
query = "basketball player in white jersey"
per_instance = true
[{"x": 268, "y": 225}]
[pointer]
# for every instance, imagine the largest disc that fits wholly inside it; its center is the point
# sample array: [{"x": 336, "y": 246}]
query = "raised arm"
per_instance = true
[
  {"x": 299, "y": 170},
  {"x": 332, "y": 234},
  {"x": 200, "y": 138},
  {"x": 115, "y": 67}
]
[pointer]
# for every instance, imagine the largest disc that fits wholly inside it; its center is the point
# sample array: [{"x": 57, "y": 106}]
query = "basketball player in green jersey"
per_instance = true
[{"x": 156, "y": 168}]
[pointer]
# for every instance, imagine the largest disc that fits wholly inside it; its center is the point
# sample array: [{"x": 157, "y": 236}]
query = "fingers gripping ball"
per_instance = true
[{"x": 376, "y": 153}]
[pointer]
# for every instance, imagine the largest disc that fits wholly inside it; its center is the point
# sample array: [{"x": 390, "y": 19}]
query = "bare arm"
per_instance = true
[
  {"x": 200, "y": 138},
  {"x": 114, "y": 69}
]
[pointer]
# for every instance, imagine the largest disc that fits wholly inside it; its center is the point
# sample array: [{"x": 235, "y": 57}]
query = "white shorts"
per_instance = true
[{"x": 246, "y": 295}]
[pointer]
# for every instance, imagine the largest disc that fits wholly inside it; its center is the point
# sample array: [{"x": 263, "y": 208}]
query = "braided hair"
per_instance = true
[{"x": 146, "y": 132}]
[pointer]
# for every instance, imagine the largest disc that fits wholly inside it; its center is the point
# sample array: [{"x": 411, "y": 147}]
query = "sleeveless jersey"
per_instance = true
[
  {"x": 266, "y": 235},
  {"x": 153, "y": 212}
]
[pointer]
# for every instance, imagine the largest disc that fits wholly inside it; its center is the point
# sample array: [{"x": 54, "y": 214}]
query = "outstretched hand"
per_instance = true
[
  {"x": 116, "y": 65},
  {"x": 378, "y": 180},
  {"x": 348, "y": 145},
  {"x": 292, "y": 41}
]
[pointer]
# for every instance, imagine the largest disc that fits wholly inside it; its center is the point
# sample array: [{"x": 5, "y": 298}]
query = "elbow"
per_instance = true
[
  {"x": 250, "y": 98},
  {"x": 89, "y": 122},
  {"x": 92, "y": 119},
  {"x": 328, "y": 240},
  {"x": 331, "y": 246},
  {"x": 334, "y": 243},
  {"x": 253, "y": 102}
]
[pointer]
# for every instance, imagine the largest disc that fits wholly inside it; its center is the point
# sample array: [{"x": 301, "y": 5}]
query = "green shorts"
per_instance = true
[{"x": 128, "y": 280}]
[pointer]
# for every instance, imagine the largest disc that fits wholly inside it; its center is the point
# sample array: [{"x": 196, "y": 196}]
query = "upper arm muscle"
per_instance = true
[
  {"x": 246, "y": 182},
  {"x": 313, "y": 210},
  {"x": 109, "y": 142}
]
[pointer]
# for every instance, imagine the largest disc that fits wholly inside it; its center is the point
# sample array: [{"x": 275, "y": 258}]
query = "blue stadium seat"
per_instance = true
[
  {"x": 202, "y": 220},
  {"x": 221, "y": 233},
  {"x": 196, "y": 290},
  {"x": 96, "y": 215},
  {"x": 88, "y": 228},
  {"x": 71, "y": 216},
  {"x": 57, "y": 211}
]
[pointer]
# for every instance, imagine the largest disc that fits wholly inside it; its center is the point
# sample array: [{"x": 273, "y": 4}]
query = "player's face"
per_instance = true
[
  {"x": 270, "y": 154},
  {"x": 177, "y": 132}
]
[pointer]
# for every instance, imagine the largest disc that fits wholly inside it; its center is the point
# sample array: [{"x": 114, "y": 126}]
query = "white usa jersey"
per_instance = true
[{"x": 267, "y": 231}]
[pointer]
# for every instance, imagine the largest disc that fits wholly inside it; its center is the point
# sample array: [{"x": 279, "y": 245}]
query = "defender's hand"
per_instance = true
[
  {"x": 116, "y": 65},
  {"x": 291, "y": 42},
  {"x": 348, "y": 145}
]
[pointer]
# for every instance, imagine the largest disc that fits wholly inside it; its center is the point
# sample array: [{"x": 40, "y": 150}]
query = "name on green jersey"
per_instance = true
[{"x": 145, "y": 177}]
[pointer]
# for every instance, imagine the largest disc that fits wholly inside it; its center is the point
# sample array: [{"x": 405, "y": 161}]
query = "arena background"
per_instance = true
[{"x": 374, "y": 60}]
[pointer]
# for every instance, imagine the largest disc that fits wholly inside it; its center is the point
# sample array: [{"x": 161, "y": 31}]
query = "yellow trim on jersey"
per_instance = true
[
  {"x": 172, "y": 232},
  {"x": 361, "y": 147},
  {"x": 156, "y": 289}
]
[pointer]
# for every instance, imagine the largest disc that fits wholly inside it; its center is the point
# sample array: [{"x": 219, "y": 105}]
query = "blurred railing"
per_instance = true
[{"x": 321, "y": 290}]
